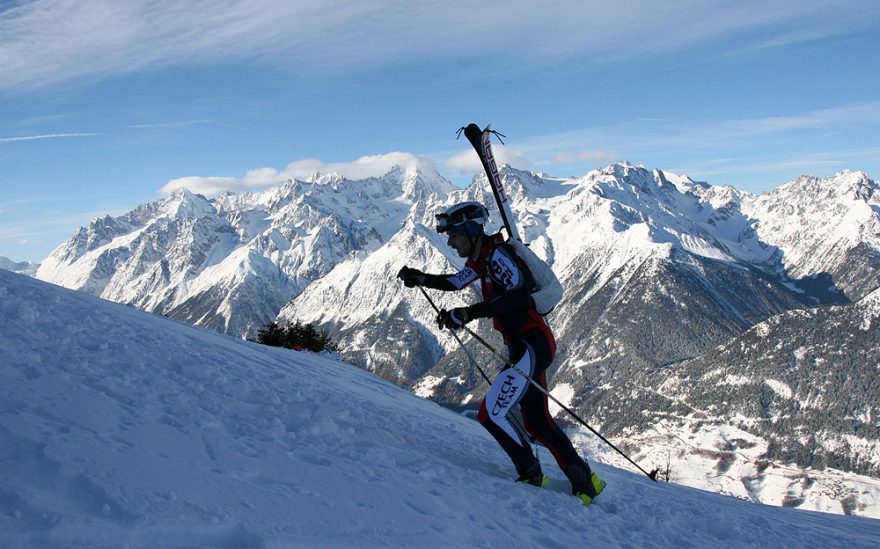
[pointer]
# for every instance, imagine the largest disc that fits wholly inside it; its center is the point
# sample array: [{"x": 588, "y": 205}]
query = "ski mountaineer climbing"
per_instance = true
[{"x": 506, "y": 299}]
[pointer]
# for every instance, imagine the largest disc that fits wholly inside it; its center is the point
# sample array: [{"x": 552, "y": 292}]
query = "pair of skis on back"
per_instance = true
[{"x": 546, "y": 289}]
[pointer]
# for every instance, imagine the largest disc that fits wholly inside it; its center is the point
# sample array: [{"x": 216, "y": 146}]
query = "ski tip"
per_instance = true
[
  {"x": 471, "y": 131},
  {"x": 473, "y": 134}
]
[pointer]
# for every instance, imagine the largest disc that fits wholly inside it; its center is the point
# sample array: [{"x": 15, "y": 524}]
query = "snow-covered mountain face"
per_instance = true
[
  {"x": 658, "y": 269},
  {"x": 784, "y": 380},
  {"x": 827, "y": 228},
  {"x": 784, "y": 413},
  {"x": 232, "y": 263}
]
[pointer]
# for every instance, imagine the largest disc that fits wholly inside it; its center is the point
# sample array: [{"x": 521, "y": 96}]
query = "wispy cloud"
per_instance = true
[
  {"x": 44, "y": 136},
  {"x": 169, "y": 125},
  {"x": 15, "y": 203},
  {"x": 801, "y": 164},
  {"x": 816, "y": 142},
  {"x": 260, "y": 178},
  {"x": 56, "y": 40},
  {"x": 639, "y": 138},
  {"x": 836, "y": 118},
  {"x": 640, "y": 134}
]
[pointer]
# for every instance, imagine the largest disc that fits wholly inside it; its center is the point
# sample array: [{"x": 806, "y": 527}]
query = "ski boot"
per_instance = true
[
  {"x": 533, "y": 475},
  {"x": 585, "y": 484}
]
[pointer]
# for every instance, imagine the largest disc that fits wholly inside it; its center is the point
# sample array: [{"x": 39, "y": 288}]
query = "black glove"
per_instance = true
[
  {"x": 411, "y": 277},
  {"x": 454, "y": 319}
]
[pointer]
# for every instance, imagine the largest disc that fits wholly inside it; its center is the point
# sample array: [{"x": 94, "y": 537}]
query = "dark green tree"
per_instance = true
[
  {"x": 297, "y": 336},
  {"x": 272, "y": 334}
]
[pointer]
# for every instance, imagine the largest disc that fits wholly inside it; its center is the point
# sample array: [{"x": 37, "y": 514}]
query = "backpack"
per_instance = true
[{"x": 546, "y": 291}]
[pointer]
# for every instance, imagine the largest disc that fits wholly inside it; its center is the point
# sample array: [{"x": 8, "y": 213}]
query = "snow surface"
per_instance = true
[{"x": 119, "y": 428}]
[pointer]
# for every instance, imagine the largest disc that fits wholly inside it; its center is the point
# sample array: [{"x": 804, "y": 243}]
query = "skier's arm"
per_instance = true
[
  {"x": 445, "y": 282},
  {"x": 439, "y": 282},
  {"x": 450, "y": 283},
  {"x": 510, "y": 300}
]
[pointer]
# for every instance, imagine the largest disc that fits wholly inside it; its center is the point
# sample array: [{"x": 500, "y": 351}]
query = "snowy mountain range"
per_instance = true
[
  {"x": 231, "y": 263},
  {"x": 660, "y": 271},
  {"x": 119, "y": 428}
]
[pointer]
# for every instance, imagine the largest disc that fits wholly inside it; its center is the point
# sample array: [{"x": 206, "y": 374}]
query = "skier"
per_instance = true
[{"x": 506, "y": 299}]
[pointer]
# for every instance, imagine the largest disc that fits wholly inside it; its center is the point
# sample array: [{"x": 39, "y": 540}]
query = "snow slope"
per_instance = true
[{"x": 121, "y": 428}]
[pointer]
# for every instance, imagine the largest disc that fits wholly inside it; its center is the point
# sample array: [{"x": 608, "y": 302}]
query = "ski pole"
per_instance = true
[
  {"x": 460, "y": 342},
  {"x": 652, "y": 475}
]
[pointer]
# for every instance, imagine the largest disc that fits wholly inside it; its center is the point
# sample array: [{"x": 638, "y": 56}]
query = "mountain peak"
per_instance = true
[
  {"x": 519, "y": 186},
  {"x": 846, "y": 184},
  {"x": 858, "y": 185},
  {"x": 413, "y": 180},
  {"x": 420, "y": 180},
  {"x": 331, "y": 179},
  {"x": 185, "y": 204}
]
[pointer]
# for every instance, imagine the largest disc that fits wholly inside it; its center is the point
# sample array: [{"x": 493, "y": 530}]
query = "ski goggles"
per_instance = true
[
  {"x": 460, "y": 223},
  {"x": 444, "y": 223},
  {"x": 467, "y": 227}
]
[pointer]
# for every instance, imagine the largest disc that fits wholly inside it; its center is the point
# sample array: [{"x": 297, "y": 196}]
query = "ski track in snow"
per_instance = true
[{"x": 120, "y": 428}]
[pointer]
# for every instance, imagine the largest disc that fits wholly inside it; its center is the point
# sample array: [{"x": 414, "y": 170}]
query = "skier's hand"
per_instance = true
[
  {"x": 454, "y": 319},
  {"x": 411, "y": 277}
]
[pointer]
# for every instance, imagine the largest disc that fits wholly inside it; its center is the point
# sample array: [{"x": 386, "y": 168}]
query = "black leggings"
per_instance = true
[{"x": 532, "y": 354}]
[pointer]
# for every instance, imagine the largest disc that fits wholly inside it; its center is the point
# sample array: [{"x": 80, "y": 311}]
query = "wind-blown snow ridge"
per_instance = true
[{"x": 121, "y": 428}]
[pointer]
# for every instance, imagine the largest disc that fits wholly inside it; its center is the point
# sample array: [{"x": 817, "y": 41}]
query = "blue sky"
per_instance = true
[{"x": 105, "y": 105}]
